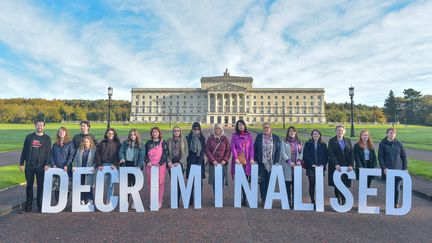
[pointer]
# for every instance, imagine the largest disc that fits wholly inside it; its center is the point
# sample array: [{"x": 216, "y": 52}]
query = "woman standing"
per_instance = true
[
  {"x": 196, "y": 143},
  {"x": 62, "y": 154},
  {"x": 132, "y": 155},
  {"x": 315, "y": 155},
  {"x": 364, "y": 154},
  {"x": 107, "y": 154},
  {"x": 156, "y": 155},
  {"x": 218, "y": 151},
  {"x": 85, "y": 157},
  {"x": 178, "y": 151},
  {"x": 242, "y": 148},
  {"x": 340, "y": 154},
  {"x": 291, "y": 155}
]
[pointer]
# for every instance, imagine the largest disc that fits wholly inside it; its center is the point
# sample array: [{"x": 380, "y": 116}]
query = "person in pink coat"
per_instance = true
[{"x": 242, "y": 148}]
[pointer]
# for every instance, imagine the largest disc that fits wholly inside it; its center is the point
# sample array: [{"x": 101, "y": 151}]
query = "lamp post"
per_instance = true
[
  {"x": 351, "y": 94},
  {"x": 110, "y": 93},
  {"x": 170, "y": 112},
  {"x": 283, "y": 117}
]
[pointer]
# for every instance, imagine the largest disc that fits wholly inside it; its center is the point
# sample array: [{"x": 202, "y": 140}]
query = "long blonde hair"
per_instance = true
[{"x": 92, "y": 145}]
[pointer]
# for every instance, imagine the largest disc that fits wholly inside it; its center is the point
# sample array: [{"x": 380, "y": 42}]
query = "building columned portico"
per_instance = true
[{"x": 226, "y": 99}]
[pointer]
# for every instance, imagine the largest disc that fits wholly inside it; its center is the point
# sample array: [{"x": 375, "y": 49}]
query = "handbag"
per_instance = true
[{"x": 242, "y": 158}]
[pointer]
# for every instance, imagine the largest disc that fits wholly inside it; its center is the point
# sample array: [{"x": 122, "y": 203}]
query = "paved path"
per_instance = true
[{"x": 227, "y": 224}]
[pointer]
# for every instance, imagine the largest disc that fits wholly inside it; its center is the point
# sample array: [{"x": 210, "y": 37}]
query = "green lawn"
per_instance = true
[
  {"x": 416, "y": 137},
  {"x": 10, "y": 175},
  {"x": 420, "y": 168},
  {"x": 12, "y": 135}
]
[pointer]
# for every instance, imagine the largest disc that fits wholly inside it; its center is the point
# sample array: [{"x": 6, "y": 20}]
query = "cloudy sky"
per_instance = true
[{"x": 76, "y": 49}]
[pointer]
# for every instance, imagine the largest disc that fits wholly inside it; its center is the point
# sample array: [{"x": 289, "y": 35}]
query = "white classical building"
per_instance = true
[{"x": 226, "y": 99}]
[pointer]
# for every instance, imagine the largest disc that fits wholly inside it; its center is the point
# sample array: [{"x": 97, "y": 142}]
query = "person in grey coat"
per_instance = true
[{"x": 85, "y": 157}]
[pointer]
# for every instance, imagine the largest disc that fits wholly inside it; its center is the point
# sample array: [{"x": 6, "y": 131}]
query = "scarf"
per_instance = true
[
  {"x": 267, "y": 150},
  {"x": 175, "y": 146},
  {"x": 195, "y": 145}
]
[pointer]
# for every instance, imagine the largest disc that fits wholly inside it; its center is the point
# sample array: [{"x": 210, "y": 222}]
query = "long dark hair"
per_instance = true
[
  {"x": 296, "y": 135},
  {"x": 116, "y": 138},
  {"x": 320, "y": 140},
  {"x": 137, "y": 139},
  {"x": 237, "y": 124}
]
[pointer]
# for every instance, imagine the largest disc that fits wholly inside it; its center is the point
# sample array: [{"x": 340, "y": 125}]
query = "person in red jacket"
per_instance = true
[{"x": 218, "y": 151}]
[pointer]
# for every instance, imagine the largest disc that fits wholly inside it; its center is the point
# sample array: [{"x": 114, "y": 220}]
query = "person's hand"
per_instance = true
[
  {"x": 237, "y": 161},
  {"x": 338, "y": 168},
  {"x": 277, "y": 164},
  {"x": 314, "y": 166},
  {"x": 46, "y": 167},
  {"x": 252, "y": 161},
  {"x": 21, "y": 168},
  {"x": 170, "y": 164},
  {"x": 350, "y": 168},
  {"x": 149, "y": 164},
  {"x": 176, "y": 164},
  {"x": 113, "y": 167},
  {"x": 100, "y": 167},
  {"x": 385, "y": 171},
  {"x": 223, "y": 162},
  {"x": 122, "y": 161},
  {"x": 292, "y": 164},
  {"x": 215, "y": 162}
]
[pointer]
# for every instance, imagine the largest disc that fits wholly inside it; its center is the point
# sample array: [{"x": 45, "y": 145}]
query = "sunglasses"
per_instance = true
[{"x": 196, "y": 129}]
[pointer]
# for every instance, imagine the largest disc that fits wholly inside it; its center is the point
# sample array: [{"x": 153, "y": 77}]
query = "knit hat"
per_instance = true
[{"x": 196, "y": 125}]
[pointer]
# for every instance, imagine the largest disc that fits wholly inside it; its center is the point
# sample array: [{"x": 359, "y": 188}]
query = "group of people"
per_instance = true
[{"x": 267, "y": 150}]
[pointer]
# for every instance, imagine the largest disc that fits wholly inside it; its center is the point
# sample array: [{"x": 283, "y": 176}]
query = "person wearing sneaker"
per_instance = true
[
  {"x": 107, "y": 154},
  {"x": 132, "y": 155},
  {"x": 341, "y": 153},
  {"x": 267, "y": 152},
  {"x": 218, "y": 151},
  {"x": 392, "y": 155},
  {"x": 156, "y": 154},
  {"x": 85, "y": 157},
  {"x": 315, "y": 154},
  {"x": 178, "y": 152},
  {"x": 242, "y": 148},
  {"x": 62, "y": 154},
  {"x": 34, "y": 161}
]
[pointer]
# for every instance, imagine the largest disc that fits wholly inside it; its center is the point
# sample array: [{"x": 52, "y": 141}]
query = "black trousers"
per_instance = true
[
  {"x": 312, "y": 188},
  {"x": 30, "y": 174},
  {"x": 264, "y": 181}
]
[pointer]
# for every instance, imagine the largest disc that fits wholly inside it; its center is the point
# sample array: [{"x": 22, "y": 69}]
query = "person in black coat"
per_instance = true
[
  {"x": 196, "y": 144},
  {"x": 364, "y": 154},
  {"x": 266, "y": 150},
  {"x": 315, "y": 154},
  {"x": 340, "y": 154},
  {"x": 35, "y": 155},
  {"x": 391, "y": 155}
]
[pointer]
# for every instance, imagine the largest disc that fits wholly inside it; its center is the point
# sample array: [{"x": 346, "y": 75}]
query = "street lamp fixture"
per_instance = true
[
  {"x": 351, "y": 94},
  {"x": 110, "y": 93}
]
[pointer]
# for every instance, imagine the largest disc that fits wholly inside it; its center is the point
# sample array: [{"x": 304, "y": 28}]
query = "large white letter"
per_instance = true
[
  {"x": 99, "y": 190},
  {"x": 78, "y": 188},
  {"x": 406, "y": 196},
  {"x": 241, "y": 181},
  {"x": 154, "y": 188},
  {"x": 337, "y": 180},
  {"x": 276, "y": 175},
  {"x": 63, "y": 190},
  {"x": 194, "y": 180},
  {"x": 364, "y": 192},
  {"x": 319, "y": 188},
  {"x": 218, "y": 185},
  {"x": 298, "y": 195},
  {"x": 133, "y": 190}
]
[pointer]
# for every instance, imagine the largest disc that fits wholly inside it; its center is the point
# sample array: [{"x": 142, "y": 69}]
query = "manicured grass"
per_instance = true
[
  {"x": 416, "y": 137},
  {"x": 12, "y": 135},
  {"x": 420, "y": 168},
  {"x": 10, "y": 175}
]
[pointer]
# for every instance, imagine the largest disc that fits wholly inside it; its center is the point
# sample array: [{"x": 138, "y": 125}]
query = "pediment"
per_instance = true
[{"x": 227, "y": 86}]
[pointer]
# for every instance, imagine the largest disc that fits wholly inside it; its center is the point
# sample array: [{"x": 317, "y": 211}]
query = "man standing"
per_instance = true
[
  {"x": 35, "y": 155},
  {"x": 85, "y": 127},
  {"x": 391, "y": 155}
]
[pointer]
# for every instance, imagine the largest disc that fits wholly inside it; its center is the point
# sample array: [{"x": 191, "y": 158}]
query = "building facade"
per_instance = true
[{"x": 226, "y": 99}]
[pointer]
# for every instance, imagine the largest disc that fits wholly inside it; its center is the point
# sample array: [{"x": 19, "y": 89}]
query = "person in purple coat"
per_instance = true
[{"x": 242, "y": 148}]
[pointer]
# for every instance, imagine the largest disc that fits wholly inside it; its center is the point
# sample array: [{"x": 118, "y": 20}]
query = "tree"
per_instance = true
[
  {"x": 390, "y": 107},
  {"x": 412, "y": 105}
]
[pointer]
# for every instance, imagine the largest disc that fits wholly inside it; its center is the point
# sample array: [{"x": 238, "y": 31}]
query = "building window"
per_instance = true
[
  {"x": 304, "y": 97},
  {"x": 268, "y": 103},
  {"x": 290, "y": 97},
  {"x": 262, "y": 97},
  {"x": 262, "y": 103},
  {"x": 157, "y": 97},
  {"x": 275, "y": 97},
  {"x": 268, "y": 97},
  {"x": 297, "y": 97},
  {"x": 150, "y": 97},
  {"x": 290, "y": 103},
  {"x": 254, "y": 97},
  {"x": 297, "y": 103},
  {"x": 143, "y": 96},
  {"x": 311, "y": 97},
  {"x": 149, "y": 118},
  {"x": 283, "y": 97},
  {"x": 311, "y": 103}
]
